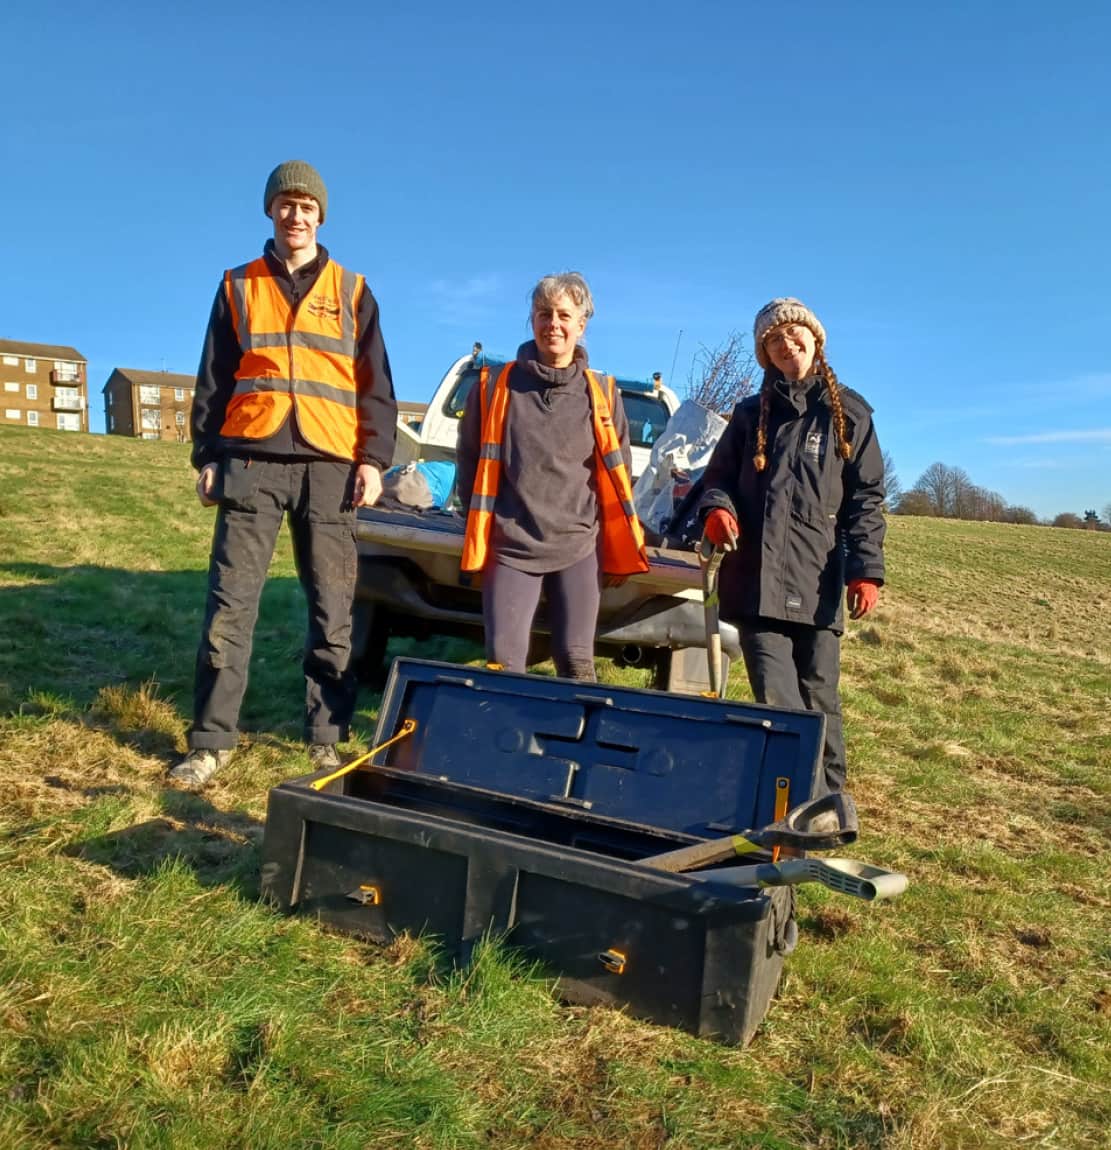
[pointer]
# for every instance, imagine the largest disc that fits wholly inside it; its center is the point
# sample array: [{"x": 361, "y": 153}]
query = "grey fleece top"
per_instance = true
[{"x": 546, "y": 512}]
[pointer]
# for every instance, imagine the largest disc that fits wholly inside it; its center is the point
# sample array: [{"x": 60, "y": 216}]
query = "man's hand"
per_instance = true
[
  {"x": 862, "y": 595},
  {"x": 721, "y": 529},
  {"x": 206, "y": 482},
  {"x": 368, "y": 485}
]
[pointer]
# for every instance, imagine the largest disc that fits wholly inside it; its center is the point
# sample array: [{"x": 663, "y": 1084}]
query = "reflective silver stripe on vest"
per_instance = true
[
  {"x": 628, "y": 508},
  {"x": 490, "y": 451},
  {"x": 239, "y": 294},
  {"x": 307, "y": 339},
  {"x": 482, "y": 502},
  {"x": 347, "y": 311},
  {"x": 309, "y": 387},
  {"x": 614, "y": 460}
]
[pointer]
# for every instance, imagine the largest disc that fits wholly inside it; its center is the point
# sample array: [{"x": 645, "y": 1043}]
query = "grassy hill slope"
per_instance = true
[{"x": 148, "y": 999}]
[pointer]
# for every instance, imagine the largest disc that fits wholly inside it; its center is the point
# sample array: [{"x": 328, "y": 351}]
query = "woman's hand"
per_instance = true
[
  {"x": 862, "y": 595},
  {"x": 721, "y": 529}
]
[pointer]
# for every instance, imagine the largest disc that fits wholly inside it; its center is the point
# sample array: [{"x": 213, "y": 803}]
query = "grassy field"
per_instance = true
[{"x": 148, "y": 998}]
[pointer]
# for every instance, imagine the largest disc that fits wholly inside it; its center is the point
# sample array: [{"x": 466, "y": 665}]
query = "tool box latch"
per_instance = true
[{"x": 613, "y": 960}]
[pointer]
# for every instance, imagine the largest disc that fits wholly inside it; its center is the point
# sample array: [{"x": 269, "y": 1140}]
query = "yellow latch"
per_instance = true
[
  {"x": 366, "y": 895},
  {"x": 613, "y": 960}
]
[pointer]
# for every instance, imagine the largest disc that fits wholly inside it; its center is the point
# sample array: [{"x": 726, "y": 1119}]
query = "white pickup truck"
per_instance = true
[{"x": 410, "y": 583}]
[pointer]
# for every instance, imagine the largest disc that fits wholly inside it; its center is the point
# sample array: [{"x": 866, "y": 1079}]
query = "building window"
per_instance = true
[
  {"x": 68, "y": 422},
  {"x": 11, "y": 386},
  {"x": 32, "y": 391},
  {"x": 111, "y": 423},
  {"x": 150, "y": 419},
  {"x": 30, "y": 365},
  {"x": 32, "y": 419},
  {"x": 111, "y": 399},
  {"x": 179, "y": 418},
  {"x": 150, "y": 395},
  {"x": 67, "y": 397},
  {"x": 11, "y": 361},
  {"x": 12, "y": 413},
  {"x": 179, "y": 394},
  {"x": 151, "y": 435}
]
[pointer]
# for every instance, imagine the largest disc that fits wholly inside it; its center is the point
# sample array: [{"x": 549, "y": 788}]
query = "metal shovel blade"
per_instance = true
[{"x": 846, "y": 876}]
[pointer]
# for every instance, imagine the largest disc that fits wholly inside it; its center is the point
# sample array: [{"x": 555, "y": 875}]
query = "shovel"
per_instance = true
[
  {"x": 709, "y": 558},
  {"x": 847, "y": 876},
  {"x": 824, "y": 823}
]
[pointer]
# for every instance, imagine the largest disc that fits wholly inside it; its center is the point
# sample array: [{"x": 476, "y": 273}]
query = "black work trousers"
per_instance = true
[
  {"x": 255, "y": 494},
  {"x": 796, "y": 665}
]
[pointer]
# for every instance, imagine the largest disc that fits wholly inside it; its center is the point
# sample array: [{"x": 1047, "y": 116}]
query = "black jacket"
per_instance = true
[
  {"x": 810, "y": 521},
  {"x": 377, "y": 407}
]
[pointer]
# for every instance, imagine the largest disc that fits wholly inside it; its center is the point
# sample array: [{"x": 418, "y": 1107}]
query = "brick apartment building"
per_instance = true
[
  {"x": 43, "y": 385},
  {"x": 148, "y": 404}
]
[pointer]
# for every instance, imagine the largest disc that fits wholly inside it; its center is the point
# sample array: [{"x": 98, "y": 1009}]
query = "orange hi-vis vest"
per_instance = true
[
  {"x": 300, "y": 358},
  {"x": 622, "y": 536}
]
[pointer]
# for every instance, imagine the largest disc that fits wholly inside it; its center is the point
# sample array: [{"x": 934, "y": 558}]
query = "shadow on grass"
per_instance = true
[
  {"x": 72, "y": 631},
  {"x": 221, "y": 847}
]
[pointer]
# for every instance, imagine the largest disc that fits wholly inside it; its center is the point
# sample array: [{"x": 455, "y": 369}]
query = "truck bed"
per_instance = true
[{"x": 441, "y": 532}]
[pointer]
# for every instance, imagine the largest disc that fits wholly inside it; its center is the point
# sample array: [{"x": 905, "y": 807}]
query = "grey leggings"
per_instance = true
[{"x": 509, "y": 601}]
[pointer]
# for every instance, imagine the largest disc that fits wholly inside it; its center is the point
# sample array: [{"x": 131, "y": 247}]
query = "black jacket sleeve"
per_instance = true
[
  {"x": 215, "y": 382},
  {"x": 468, "y": 445},
  {"x": 861, "y": 518},
  {"x": 377, "y": 406}
]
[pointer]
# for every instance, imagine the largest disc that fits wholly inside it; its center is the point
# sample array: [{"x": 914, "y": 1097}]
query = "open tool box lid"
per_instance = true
[{"x": 684, "y": 765}]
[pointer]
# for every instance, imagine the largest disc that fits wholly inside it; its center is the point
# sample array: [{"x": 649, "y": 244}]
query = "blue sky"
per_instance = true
[{"x": 933, "y": 180}]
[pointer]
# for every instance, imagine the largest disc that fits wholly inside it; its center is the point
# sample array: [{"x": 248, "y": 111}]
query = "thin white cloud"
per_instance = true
[{"x": 1088, "y": 435}]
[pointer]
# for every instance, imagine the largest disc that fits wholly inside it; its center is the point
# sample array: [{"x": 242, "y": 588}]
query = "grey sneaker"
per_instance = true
[
  {"x": 323, "y": 756},
  {"x": 194, "y": 771}
]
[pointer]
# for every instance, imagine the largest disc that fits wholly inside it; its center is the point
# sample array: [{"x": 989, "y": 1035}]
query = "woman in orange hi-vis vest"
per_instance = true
[{"x": 544, "y": 471}]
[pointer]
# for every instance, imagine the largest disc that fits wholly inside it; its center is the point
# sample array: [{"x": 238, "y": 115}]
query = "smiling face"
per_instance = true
[
  {"x": 296, "y": 218},
  {"x": 557, "y": 326},
  {"x": 791, "y": 348}
]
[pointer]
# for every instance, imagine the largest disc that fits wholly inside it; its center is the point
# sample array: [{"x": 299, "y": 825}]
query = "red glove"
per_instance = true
[
  {"x": 863, "y": 594},
  {"x": 721, "y": 529}
]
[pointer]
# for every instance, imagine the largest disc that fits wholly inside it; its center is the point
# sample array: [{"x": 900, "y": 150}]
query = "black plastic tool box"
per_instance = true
[{"x": 521, "y": 805}]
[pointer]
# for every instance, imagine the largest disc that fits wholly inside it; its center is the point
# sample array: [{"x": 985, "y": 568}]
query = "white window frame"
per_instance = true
[
  {"x": 150, "y": 395},
  {"x": 30, "y": 366},
  {"x": 150, "y": 419},
  {"x": 68, "y": 421},
  {"x": 11, "y": 386},
  {"x": 11, "y": 361},
  {"x": 13, "y": 413},
  {"x": 179, "y": 394},
  {"x": 32, "y": 419},
  {"x": 179, "y": 418},
  {"x": 32, "y": 391}
]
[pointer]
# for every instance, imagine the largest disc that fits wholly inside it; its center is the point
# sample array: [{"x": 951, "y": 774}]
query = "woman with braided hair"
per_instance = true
[{"x": 794, "y": 492}]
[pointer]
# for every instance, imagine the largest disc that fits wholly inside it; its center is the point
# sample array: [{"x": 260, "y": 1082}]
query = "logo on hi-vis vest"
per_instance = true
[{"x": 323, "y": 307}]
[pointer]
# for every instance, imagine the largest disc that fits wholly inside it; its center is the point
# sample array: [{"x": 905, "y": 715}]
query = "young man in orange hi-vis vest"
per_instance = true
[{"x": 294, "y": 414}]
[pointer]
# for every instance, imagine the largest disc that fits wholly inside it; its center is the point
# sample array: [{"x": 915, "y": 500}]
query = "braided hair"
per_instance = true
[{"x": 828, "y": 376}]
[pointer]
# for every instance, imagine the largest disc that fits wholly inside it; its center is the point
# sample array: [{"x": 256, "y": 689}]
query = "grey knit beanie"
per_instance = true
[
  {"x": 296, "y": 176},
  {"x": 780, "y": 311}
]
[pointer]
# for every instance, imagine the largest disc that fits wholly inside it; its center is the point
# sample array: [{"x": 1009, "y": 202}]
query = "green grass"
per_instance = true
[{"x": 149, "y": 999}]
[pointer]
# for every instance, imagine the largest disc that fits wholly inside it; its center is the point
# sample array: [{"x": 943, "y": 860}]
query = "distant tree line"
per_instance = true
[{"x": 946, "y": 492}]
